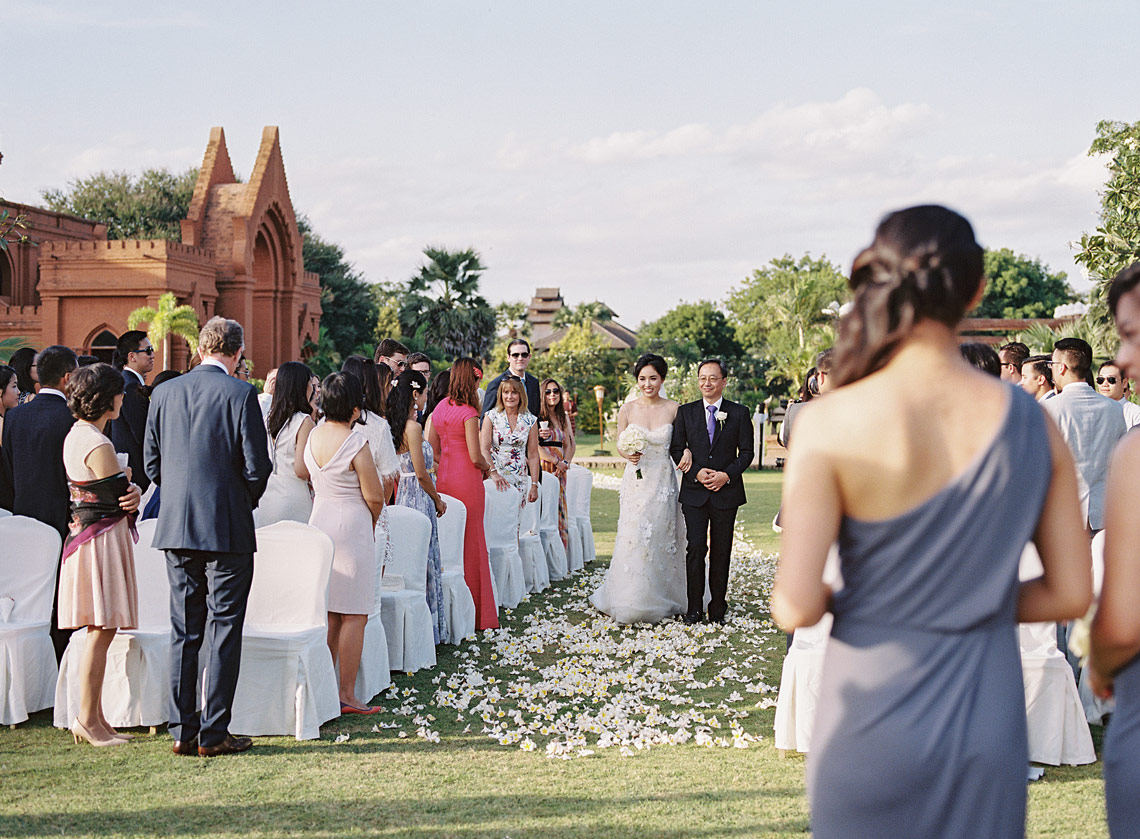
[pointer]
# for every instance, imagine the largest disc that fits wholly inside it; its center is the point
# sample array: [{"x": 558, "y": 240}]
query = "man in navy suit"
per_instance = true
[
  {"x": 718, "y": 434},
  {"x": 134, "y": 355},
  {"x": 518, "y": 355},
  {"x": 206, "y": 448}
]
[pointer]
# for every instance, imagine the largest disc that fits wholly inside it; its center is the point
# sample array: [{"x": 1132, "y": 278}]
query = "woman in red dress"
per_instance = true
[{"x": 453, "y": 431}]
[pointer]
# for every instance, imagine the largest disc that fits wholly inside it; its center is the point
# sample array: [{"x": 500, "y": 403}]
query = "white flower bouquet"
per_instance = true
[{"x": 633, "y": 441}]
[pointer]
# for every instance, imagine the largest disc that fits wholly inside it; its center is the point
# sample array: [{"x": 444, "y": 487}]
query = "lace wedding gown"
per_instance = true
[{"x": 646, "y": 579}]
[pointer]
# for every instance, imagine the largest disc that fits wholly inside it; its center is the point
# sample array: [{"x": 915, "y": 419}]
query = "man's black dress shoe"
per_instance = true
[
  {"x": 719, "y": 620},
  {"x": 231, "y": 745},
  {"x": 694, "y": 617},
  {"x": 186, "y": 747}
]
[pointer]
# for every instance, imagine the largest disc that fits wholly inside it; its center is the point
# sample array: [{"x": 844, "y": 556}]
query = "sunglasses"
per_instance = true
[
  {"x": 520, "y": 355},
  {"x": 552, "y": 392},
  {"x": 1100, "y": 380},
  {"x": 148, "y": 350}
]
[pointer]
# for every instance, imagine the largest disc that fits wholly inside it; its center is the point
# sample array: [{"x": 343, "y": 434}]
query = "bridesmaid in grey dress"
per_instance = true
[
  {"x": 1115, "y": 659},
  {"x": 920, "y": 726}
]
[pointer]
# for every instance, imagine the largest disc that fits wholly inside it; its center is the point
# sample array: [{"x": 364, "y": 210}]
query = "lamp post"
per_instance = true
[{"x": 599, "y": 396}]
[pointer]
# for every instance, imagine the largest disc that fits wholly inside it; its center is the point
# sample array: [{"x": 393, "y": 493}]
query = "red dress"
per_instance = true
[{"x": 457, "y": 476}]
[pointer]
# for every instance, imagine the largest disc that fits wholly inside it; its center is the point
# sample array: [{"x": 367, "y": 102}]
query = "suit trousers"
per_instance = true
[
  {"x": 709, "y": 531},
  {"x": 208, "y": 595}
]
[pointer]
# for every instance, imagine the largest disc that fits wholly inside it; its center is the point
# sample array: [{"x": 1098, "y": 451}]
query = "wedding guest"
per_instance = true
[
  {"x": 1115, "y": 653},
  {"x": 419, "y": 362},
  {"x": 372, "y": 423},
  {"x": 929, "y": 544},
  {"x": 556, "y": 447},
  {"x": 97, "y": 579},
  {"x": 417, "y": 489},
  {"x": 817, "y": 382},
  {"x": 983, "y": 357},
  {"x": 9, "y": 394},
  {"x": 265, "y": 398},
  {"x": 315, "y": 402},
  {"x": 1011, "y": 357},
  {"x": 1111, "y": 382},
  {"x": 207, "y": 449},
  {"x": 393, "y": 354},
  {"x": 384, "y": 377},
  {"x": 1091, "y": 424},
  {"x": 23, "y": 361},
  {"x": 571, "y": 406},
  {"x": 509, "y": 436},
  {"x": 242, "y": 369},
  {"x": 518, "y": 358},
  {"x": 151, "y": 508},
  {"x": 1037, "y": 377},
  {"x": 348, "y": 500},
  {"x": 454, "y": 432},
  {"x": 287, "y": 496},
  {"x": 437, "y": 391},
  {"x": 134, "y": 355}
]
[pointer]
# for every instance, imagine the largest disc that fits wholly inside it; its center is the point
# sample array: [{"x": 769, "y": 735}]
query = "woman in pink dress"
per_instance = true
[{"x": 453, "y": 431}]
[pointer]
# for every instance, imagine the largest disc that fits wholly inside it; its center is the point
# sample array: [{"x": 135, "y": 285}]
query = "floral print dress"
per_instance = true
[{"x": 508, "y": 448}]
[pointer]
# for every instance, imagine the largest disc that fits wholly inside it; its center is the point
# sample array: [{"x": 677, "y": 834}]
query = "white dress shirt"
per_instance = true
[{"x": 1131, "y": 413}]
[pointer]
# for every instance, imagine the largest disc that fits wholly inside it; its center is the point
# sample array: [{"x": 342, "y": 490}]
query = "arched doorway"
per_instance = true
[{"x": 103, "y": 346}]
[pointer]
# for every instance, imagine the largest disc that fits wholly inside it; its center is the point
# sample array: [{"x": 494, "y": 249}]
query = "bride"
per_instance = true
[{"x": 646, "y": 578}]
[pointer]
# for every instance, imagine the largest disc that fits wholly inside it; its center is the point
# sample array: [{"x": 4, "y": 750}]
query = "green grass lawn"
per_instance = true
[{"x": 557, "y": 667}]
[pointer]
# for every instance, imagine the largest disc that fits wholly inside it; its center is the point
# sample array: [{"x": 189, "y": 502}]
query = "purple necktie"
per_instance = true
[{"x": 712, "y": 421}]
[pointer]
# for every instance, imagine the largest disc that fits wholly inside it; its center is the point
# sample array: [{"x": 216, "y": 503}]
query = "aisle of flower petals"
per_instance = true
[{"x": 560, "y": 678}]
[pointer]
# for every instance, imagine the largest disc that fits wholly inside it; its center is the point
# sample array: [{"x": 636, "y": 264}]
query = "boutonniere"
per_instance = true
[{"x": 720, "y": 416}]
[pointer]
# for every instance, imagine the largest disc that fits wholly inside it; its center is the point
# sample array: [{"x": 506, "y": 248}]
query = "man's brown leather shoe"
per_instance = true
[
  {"x": 185, "y": 747},
  {"x": 231, "y": 745}
]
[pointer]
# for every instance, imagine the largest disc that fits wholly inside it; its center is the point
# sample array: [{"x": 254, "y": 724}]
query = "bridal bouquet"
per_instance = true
[{"x": 633, "y": 441}]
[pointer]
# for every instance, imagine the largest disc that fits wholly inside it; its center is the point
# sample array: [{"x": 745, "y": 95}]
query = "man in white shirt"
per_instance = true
[
  {"x": 1012, "y": 357},
  {"x": 1037, "y": 377},
  {"x": 1110, "y": 382},
  {"x": 1091, "y": 424}
]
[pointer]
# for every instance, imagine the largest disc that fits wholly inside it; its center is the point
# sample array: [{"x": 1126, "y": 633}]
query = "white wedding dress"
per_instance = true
[{"x": 646, "y": 579}]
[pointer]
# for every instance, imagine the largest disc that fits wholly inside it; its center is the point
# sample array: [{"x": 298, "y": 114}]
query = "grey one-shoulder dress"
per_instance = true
[
  {"x": 1122, "y": 754},
  {"x": 920, "y": 727}
]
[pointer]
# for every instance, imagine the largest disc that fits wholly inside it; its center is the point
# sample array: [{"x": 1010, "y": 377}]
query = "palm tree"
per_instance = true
[
  {"x": 168, "y": 319},
  {"x": 443, "y": 306},
  {"x": 10, "y": 345}
]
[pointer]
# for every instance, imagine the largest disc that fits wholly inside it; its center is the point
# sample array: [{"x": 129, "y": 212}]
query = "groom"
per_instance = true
[{"x": 718, "y": 433}]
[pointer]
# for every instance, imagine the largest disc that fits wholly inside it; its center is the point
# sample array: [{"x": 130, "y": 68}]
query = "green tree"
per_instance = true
[
  {"x": 443, "y": 306},
  {"x": 778, "y": 313},
  {"x": 168, "y": 319},
  {"x": 1115, "y": 244},
  {"x": 579, "y": 360},
  {"x": 349, "y": 310},
  {"x": 10, "y": 227},
  {"x": 150, "y": 206},
  {"x": 584, "y": 313},
  {"x": 510, "y": 319},
  {"x": 387, "y": 298},
  {"x": 322, "y": 356},
  {"x": 700, "y": 326},
  {"x": 1020, "y": 287},
  {"x": 10, "y": 345}
]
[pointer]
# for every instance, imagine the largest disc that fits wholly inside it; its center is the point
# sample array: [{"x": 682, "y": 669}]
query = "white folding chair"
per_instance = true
[
  {"x": 458, "y": 604},
  {"x": 287, "y": 683},
  {"x": 136, "y": 688},
  {"x": 536, "y": 574},
  {"x": 501, "y": 525},
  {"x": 405, "y": 540},
  {"x": 579, "y": 483},
  {"x": 375, "y": 671},
  {"x": 556, "y": 561},
  {"x": 27, "y": 587},
  {"x": 1058, "y": 731}
]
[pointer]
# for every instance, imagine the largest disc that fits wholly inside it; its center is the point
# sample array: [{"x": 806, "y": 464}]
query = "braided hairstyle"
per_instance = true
[{"x": 924, "y": 264}]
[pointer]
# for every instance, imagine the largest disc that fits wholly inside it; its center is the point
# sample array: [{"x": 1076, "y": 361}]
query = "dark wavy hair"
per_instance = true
[
  {"x": 437, "y": 390},
  {"x": 92, "y": 390},
  {"x": 651, "y": 360},
  {"x": 924, "y": 264},
  {"x": 558, "y": 413},
  {"x": 463, "y": 388},
  {"x": 22, "y": 361},
  {"x": 365, "y": 370},
  {"x": 400, "y": 400},
  {"x": 340, "y": 393},
  {"x": 290, "y": 396}
]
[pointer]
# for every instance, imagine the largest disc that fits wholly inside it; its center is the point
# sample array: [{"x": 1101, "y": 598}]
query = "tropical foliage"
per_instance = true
[
  {"x": 690, "y": 332},
  {"x": 322, "y": 356},
  {"x": 10, "y": 345},
  {"x": 580, "y": 360},
  {"x": 1020, "y": 287},
  {"x": 349, "y": 307},
  {"x": 168, "y": 319},
  {"x": 11, "y": 227},
  {"x": 149, "y": 206},
  {"x": 443, "y": 307},
  {"x": 583, "y": 313}
]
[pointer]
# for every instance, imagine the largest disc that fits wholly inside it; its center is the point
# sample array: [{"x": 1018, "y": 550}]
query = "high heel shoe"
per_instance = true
[{"x": 78, "y": 731}]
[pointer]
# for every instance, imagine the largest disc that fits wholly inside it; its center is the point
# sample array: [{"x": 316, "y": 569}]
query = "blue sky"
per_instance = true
[{"x": 641, "y": 153}]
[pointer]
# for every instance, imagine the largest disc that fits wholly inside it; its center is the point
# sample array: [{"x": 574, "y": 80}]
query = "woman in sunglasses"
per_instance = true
[{"x": 555, "y": 445}]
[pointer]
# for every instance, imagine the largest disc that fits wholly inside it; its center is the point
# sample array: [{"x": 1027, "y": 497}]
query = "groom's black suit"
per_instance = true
[{"x": 710, "y": 516}]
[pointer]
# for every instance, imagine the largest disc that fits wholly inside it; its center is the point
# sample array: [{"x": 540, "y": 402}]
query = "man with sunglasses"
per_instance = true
[
  {"x": 1111, "y": 383},
  {"x": 394, "y": 354},
  {"x": 134, "y": 356},
  {"x": 518, "y": 358}
]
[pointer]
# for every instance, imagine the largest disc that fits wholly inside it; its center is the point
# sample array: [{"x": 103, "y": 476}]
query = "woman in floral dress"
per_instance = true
[{"x": 510, "y": 441}]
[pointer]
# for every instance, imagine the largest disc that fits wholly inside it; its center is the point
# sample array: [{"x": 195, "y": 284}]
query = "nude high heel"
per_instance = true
[{"x": 78, "y": 731}]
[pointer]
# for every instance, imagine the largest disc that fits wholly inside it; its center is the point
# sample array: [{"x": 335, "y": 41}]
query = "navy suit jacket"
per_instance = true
[
  {"x": 32, "y": 478},
  {"x": 128, "y": 430},
  {"x": 206, "y": 446},
  {"x": 730, "y": 451},
  {"x": 530, "y": 384}
]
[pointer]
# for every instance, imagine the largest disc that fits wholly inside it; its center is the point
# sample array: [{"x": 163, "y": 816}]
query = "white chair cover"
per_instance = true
[
  {"x": 501, "y": 525},
  {"x": 579, "y": 484},
  {"x": 375, "y": 671},
  {"x": 575, "y": 555},
  {"x": 4, "y": 512},
  {"x": 136, "y": 688},
  {"x": 552, "y": 546},
  {"x": 536, "y": 574},
  {"x": 287, "y": 683},
  {"x": 1058, "y": 731},
  {"x": 27, "y": 587},
  {"x": 458, "y": 604},
  {"x": 803, "y": 669},
  {"x": 407, "y": 619}
]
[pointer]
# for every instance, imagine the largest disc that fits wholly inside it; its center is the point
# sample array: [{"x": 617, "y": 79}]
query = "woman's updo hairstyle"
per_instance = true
[
  {"x": 91, "y": 391},
  {"x": 650, "y": 360},
  {"x": 401, "y": 397},
  {"x": 924, "y": 264}
]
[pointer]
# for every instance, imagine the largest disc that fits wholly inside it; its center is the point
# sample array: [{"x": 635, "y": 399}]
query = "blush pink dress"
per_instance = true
[{"x": 457, "y": 476}]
